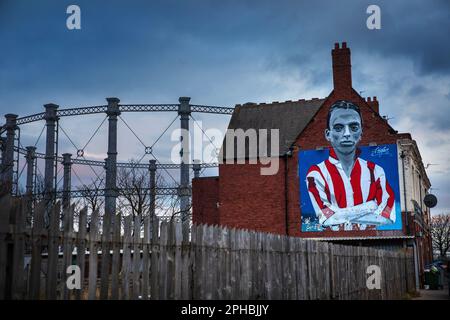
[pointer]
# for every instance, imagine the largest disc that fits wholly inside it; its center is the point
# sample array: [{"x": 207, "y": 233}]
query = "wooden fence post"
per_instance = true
[
  {"x": 145, "y": 259},
  {"x": 81, "y": 250},
  {"x": 17, "y": 290},
  {"x": 53, "y": 252},
  {"x": 163, "y": 260},
  {"x": 93, "y": 255},
  {"x": 37, "y": 237},
  {"x": 186, "y": 272},
  {"x": 126, "y": 259},
  {"x": 5, "y": 207},
  {"x": 68, "y": 246},
  {"x": 136, "y": 256},
  {"x": 115, "y": 270},
  {"x": 154, "y": 260},
  {"x": 178, "y": 275}
]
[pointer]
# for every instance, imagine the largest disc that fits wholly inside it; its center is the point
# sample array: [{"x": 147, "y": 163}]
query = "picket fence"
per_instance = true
[{"x": 150, "y": 260}]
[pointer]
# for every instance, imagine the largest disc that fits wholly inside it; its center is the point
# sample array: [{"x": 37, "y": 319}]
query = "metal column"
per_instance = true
[
  {"x": 30, "y": 157},
  {"x": 8, "y": 155},
  {"x": 152, "y": 169},
  {"x": 111, "y": 162},
  {"x": 2, "y": 152},
  {"x": 111, "y": 190},
  {"x": 67, "y": 165},
  {"x": 184, "y": 110},
  {"x": 49, "y": 175},
  {"x": 152, "y": 209},
  {"x": 196, "y": 167},
  {"x": 51, "y": 216}
]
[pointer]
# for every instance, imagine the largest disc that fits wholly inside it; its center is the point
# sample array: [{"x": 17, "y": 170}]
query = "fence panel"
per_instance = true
[{"x": 215, "y": 263}]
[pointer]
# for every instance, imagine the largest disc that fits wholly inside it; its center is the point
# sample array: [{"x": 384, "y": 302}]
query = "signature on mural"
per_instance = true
[
  {"x": 310, "y": 225},
  {"x": 380, "y": 151}
]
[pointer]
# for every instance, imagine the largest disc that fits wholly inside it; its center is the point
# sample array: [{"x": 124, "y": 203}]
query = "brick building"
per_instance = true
[{"x": 240, "y": 197}]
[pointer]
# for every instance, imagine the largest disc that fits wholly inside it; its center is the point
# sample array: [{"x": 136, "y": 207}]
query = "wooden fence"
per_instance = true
[{"x": 216, "y": 263}]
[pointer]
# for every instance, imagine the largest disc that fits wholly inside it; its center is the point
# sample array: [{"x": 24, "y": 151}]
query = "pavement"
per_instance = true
[{"x": 442, "y": 294}]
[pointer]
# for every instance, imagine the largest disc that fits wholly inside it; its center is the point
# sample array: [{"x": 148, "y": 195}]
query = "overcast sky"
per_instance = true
[{"x": 224, "y": 53}]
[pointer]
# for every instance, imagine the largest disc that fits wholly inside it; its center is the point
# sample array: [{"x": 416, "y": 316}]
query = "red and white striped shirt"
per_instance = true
[{"x": 330, "y": 189}]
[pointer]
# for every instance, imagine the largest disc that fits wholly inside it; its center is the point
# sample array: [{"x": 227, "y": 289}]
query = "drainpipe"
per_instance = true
[
  {"x": 403, "y": 156},
  {"x": 287, "y": 155},
  {"x": 416, "y": 265}
]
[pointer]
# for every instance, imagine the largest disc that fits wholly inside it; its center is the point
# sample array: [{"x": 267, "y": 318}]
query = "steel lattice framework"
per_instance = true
[
  {"x": 129, "y": 191},
  {"x": 125, "y": 108},
  {"x": 12, "y": 148},
  {"x": 129, "y": 165}
]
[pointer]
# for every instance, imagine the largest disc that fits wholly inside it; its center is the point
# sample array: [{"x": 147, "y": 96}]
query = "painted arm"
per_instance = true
[
  {"x": 351, "y": 214},
  {"x": 327, "y": 213},
  {"x": 382, "y": 193}
]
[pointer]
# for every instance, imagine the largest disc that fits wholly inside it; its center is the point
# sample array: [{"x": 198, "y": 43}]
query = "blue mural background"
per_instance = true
[{"x": 383, "y": 155}]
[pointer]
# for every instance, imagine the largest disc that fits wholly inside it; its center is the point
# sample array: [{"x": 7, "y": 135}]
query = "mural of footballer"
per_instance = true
[{"x": 346, "y": 191}]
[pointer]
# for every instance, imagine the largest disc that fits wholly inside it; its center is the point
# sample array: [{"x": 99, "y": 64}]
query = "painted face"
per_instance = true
[{"x": 345, "y": 130}]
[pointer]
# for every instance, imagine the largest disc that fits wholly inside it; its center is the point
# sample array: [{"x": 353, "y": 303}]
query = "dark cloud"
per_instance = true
[
  {"x": 416, "y": 90},
  {"x": 222, "y": 53}
]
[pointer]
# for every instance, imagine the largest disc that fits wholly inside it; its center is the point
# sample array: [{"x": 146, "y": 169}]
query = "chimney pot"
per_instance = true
[
  {"x": 344, "y": 45},
  {"x": 368, "y": 99},
  {"x": 336, "y": 45},
  {"x": 375, "y": 98}
]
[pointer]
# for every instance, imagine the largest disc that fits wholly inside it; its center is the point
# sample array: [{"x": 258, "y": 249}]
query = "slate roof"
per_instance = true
[{"x": 290, "y": 117}]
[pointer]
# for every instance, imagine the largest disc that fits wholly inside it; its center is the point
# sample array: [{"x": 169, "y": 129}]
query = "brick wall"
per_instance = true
[
  {"x": 251, "y": 201},
  {"x": 205, "y": 196}
]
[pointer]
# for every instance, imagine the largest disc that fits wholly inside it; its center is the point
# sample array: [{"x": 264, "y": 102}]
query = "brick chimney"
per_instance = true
[
  {"x": 342, "y": 69},
  {"x": 373, "y": 103}
]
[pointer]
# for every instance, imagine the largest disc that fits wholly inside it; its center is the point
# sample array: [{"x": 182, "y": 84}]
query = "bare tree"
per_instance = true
[
  {"x": 440, "y": 232},
  {"x": 90, "y": 194},
  {"x": 134, "y": 188}
]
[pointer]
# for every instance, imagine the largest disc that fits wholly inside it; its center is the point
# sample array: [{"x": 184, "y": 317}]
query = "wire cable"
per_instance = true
[
  {"x": 164, "y": 131},
  {"x": 134, "y": 133},
  {"x": 40, "y": 135},
  {"x": 95, "y": 132}
]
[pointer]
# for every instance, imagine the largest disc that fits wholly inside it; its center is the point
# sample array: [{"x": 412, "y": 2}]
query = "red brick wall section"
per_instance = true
[
  {"x": 249, "y": 200},
  {"x": 205, "y": 196}
]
